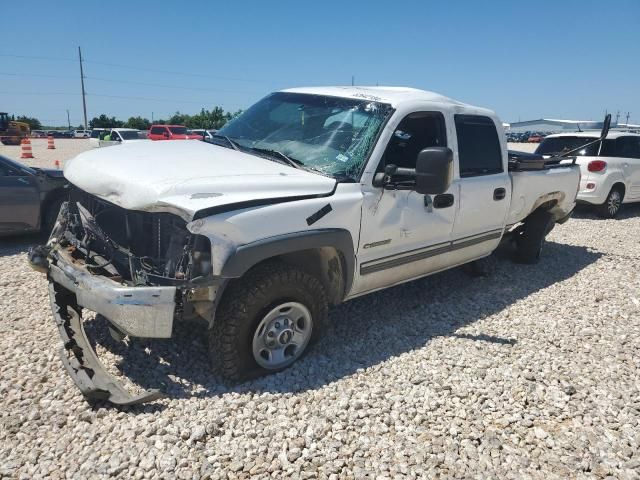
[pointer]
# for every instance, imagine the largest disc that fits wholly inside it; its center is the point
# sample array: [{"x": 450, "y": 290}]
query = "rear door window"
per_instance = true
[
  {"x": 628, "y": 147},
  {"x": 157, "y": 130},
  {"x": 479, "y": 150}
]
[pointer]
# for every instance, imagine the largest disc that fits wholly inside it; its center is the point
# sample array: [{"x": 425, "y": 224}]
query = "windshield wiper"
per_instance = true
[
  {"x": 291, "y": 161},
  {"x": 231, "y": 143}
]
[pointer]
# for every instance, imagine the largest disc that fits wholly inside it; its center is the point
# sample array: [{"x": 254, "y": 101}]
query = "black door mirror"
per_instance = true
[{"x": 434, "y": 170}]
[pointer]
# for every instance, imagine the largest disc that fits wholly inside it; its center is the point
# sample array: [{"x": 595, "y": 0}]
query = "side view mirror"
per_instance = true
[
  {"x": 433, "y": 173},
  {"x": 434, "y": 170}
]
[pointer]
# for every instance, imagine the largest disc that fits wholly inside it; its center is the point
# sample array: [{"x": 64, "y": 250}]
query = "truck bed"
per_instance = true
[{"x": 532, "y": 187}]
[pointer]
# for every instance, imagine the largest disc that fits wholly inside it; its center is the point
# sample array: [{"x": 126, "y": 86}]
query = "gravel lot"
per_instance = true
[
  {"x": 66, "y": 148},
  {"x": 531, "y": 372}
]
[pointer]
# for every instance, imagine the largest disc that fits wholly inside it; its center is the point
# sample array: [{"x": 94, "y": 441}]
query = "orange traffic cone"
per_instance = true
[
  {"x": 25, "y": 144},
  {"x": 50, "y": 144}
]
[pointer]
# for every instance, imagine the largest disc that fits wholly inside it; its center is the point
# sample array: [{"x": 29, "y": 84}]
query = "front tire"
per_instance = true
[
  {"x": 266, "y": 321},
  {"x": 531, "y": 239},
  {"x": 611, "y": 206}
]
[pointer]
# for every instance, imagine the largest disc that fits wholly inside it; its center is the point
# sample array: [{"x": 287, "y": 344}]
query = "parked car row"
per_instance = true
[
  {"x": 526, "y": 137},
  {"x": 60, "y": 133}
]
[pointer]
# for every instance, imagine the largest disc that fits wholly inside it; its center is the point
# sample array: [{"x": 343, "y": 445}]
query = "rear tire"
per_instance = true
[
  {"x": 266, "y": 321},
  {"x": 611, "y": 206},
  {"x": 531, "y": 239}
]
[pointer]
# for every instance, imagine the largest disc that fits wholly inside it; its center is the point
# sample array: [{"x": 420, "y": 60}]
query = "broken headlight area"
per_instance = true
[{"x": 134, "y": 247}]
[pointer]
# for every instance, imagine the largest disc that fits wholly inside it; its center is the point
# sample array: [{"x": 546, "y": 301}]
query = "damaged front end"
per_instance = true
[{"x": 139, "y": 270}]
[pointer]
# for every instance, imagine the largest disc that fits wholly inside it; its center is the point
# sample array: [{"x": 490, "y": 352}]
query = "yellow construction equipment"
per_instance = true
[{"x": 12, "y": 132}]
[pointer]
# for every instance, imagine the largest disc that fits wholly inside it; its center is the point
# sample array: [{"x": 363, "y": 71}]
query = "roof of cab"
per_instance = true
[{"x": 390, "y": 95}]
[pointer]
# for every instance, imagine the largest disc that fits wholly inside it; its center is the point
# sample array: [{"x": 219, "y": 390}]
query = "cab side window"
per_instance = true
[
  {"x": 157, "y": 130},
  {"x": 415, "y": 132},
  {"x": 479, "y": 150}
]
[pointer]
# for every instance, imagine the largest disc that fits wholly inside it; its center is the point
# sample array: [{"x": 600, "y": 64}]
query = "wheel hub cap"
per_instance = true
[
  {"x": 282, "y": 335},
  {"x": 614, "y": 202}
]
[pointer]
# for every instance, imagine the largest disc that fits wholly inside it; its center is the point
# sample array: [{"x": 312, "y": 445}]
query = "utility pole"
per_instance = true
[
  {"x": 617, "y": 117},
  {"x": 627, "y": 122},
  {"x": 353, "y": 80},
  {"x": 152, "y": 118},
  {"x": 84, "y": 101},
  {"x": 68, "y": 120}
]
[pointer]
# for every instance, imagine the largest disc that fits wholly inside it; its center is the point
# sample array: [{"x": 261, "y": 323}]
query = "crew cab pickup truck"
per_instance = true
[{"x": 311, "y": 197}]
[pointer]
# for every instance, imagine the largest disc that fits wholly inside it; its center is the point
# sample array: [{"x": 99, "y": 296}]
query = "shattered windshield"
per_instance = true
[{"x": 332, "y": 135}]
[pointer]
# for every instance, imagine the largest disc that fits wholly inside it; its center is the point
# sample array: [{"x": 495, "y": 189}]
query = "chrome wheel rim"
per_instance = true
[
  {"x": 282, "y": 335},
  {"x": 613, "y": 204}
]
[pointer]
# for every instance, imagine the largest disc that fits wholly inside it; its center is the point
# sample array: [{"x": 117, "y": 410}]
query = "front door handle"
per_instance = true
[
  {"x": 499, "y": 193},
  {"x": 443, "y": 200}
]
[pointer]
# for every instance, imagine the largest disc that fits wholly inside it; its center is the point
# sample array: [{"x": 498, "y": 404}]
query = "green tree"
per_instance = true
[
  {"x": 105, "y": 122},
  {"x": 34, "y": 123},
  {"x": 138, "y": 123}
]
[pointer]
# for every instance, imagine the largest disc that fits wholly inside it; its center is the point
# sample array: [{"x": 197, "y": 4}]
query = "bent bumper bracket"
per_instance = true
[{"x": 80, "y": 359}]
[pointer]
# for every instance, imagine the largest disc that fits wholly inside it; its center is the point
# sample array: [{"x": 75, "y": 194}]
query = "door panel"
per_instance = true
[
  {"x": 485, "y": 187},
  {"x": 19, "y": 203},
  {"x": 402, "y": 237}
]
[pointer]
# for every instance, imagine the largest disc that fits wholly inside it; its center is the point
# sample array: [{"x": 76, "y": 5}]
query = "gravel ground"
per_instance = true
[
  {"x": 531, "y": 372},
  {"x": 66, "y": 148}
]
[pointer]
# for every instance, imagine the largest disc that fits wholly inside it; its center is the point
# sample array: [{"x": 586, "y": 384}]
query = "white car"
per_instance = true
[
  {"x": 81, "y": 133},
  {"x": 310, "y": 198},
  {"x": 117, "y": 136},
  {"x": 206, "y": 134},
  {"x": 610, "y": 169}
]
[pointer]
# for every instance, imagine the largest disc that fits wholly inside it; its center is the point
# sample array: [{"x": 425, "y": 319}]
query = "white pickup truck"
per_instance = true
[{"x": 311, "y": 197}]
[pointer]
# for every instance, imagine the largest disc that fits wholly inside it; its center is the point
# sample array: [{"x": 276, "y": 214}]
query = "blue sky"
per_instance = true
[{"x": 565, "y": 59}]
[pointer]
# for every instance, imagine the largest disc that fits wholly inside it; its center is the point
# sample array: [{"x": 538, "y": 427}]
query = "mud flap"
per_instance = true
[{"x": 80, "y": 359}]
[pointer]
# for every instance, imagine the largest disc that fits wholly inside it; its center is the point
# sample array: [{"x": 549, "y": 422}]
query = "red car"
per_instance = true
[
  {"x": 171, "y": 132},
  {"x": 535, "y": 138}
]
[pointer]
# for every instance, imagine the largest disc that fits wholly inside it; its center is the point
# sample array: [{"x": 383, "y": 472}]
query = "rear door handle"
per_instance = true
[
  {"x": 443, "y": 200},
  {"x": 499, "y": 193}
]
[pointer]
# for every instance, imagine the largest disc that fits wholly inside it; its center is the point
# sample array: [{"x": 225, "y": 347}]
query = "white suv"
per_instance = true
[{"x": 610, "y": 169}]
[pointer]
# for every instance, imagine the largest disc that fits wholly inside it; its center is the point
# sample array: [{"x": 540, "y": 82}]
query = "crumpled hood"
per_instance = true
[{"x": 184, "y": 177}]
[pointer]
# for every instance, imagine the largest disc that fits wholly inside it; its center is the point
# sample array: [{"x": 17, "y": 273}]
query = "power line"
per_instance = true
[
  {"x": 59, "y": 59},
  {"x": 146, "y": 84},
  {"x": 133, "y": 67},
  {"x": 35, "y": 75},
  {"x": 173, "y": 72},
  {"x": 169, "y": 86}
]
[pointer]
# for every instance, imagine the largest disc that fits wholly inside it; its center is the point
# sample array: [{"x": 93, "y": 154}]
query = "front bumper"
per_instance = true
[
  {"x": 81, "y": 360},
  {"x": 136, "y": 311}
]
